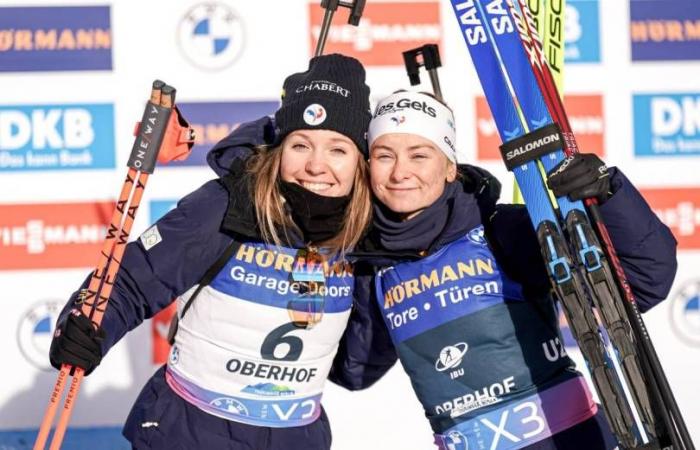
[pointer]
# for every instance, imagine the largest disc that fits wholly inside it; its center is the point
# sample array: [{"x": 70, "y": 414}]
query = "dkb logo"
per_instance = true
[
  {"x": 44, "y": 137},
  {"x": 667, "y": 124}
]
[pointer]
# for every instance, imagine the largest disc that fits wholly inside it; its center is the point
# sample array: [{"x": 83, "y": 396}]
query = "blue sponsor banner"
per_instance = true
[
  {"x": 521, "y": 423},
  {"x": 459, "y": 280},
  {"x": 98, "y": 438},
  {"x": 56, "y": 137},
  {"x": 267, "y": 275},
  {"x": 213, "y": 121},
  {"x": 665, "y": 30},
  {"x": 55, "y": 38},
  {"x": 160, "y": 207},
  {"x": 582, "y": 32},
  {"x": 666, "y": 124}
]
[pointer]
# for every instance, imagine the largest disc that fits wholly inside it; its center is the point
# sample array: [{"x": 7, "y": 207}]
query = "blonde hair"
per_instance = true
[{"x": 272, "y": 218}]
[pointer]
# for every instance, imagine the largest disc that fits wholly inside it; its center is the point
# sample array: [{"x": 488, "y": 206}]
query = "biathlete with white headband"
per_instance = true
[{"x": 461, "y": 286}]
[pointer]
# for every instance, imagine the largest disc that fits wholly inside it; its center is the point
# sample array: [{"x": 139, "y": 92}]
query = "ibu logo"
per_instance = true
[
  {"x": 451, "y": 357},
  {"x": 45, "y": 137},
  {"x": 667, "y": 124}
]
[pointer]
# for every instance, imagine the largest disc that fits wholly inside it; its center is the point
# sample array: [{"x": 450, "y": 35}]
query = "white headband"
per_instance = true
[{"x": 415, "y": 113}]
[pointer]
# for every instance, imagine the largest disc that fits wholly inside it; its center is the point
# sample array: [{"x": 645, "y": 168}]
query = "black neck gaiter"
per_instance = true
[
  {"x": 319, "y": 217},
  {"x": 419, "y": 232}
]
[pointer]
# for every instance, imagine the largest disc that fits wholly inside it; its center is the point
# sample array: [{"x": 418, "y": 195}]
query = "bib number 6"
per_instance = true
[{"x": 278, "y": 337}]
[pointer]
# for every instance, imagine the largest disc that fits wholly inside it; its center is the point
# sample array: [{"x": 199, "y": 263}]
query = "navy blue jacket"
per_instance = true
[
  {"x": 148, "y": 281},
  {"x": 193, "y": 235},
  {"x": 646, "y": 248}
]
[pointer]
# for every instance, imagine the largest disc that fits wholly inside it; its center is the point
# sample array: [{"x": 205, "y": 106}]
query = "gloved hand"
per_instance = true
[
  {"x": 580, "y": 176},
  {"x": 480, "y": 182},
  {"x": 77, "y": 343}
]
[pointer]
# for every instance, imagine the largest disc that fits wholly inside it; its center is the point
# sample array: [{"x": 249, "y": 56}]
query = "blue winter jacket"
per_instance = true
[
  {"x": 647, "y": 252},
  {"x": 646, "y": 248},
  {"x": 148, "y": 281},
  {"x": 193, "y": 236}
]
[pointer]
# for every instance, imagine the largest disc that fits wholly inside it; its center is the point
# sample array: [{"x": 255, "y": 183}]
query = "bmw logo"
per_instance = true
[
  {"x": 456, "y": 441},
  {"x": 211, "y": 36},
  {"x": 35, "y": 332},
  {"x": 230, "y": 405},
  {"x": 685, "y": 313},
  {"x": 314, "y": 114},
  {"x": 477, "y": 235}
]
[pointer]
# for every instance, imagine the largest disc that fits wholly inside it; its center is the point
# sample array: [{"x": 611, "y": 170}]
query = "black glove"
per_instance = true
[
  {"x": 580, "y": 176},
  {"x": 485, "y": 187},
  {"x": 77, "y": 343}
]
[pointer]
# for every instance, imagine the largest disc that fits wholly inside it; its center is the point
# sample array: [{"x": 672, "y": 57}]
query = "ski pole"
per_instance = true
[
  {"x": 145, "y": 152},
  {"x": 518, "y": 106},
  {"x": 670, "y": 412},
  {"x": 429, "y": 55},
  {"x": 356, "y": 7}
]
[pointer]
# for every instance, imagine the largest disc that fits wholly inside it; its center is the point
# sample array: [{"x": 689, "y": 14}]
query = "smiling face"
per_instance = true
[
  {"x": 322, "y": 161},
  {"x": 408, "y": 173}
]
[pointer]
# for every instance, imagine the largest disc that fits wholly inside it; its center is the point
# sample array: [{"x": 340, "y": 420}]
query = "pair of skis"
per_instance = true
[
  {"x": 548, "y": 16},
  {"x": 159, "y": 138},
  {"x": 519, "y": 86}
]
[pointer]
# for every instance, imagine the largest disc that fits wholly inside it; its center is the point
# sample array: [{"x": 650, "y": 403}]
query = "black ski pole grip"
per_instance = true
[
  {"x": 358, "y": 7},
  {"x": 410, "y": 60},
  {"x": 156, "y": 87},
  {"x": 151, "y": 130},
  {"x": 431, "y": 57},
  {"x": 168, "y": 92},
  {"x": 331, "y": 6},
  {"x": 427, "y": 56}
]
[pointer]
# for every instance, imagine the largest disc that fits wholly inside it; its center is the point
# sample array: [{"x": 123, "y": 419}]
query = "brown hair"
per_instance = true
[{"x": 264, "y": 165}]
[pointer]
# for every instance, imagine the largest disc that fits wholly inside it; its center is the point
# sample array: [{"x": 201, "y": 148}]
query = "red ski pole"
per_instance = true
[{"x": 156, "y": 140}]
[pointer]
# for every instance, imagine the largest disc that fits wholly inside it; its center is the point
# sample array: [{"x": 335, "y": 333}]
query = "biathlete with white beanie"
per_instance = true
[{"x": 461, "y": 287}]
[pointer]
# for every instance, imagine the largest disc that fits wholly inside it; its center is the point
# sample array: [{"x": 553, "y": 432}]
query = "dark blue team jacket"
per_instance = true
[{"x": 647, "y": 252}]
